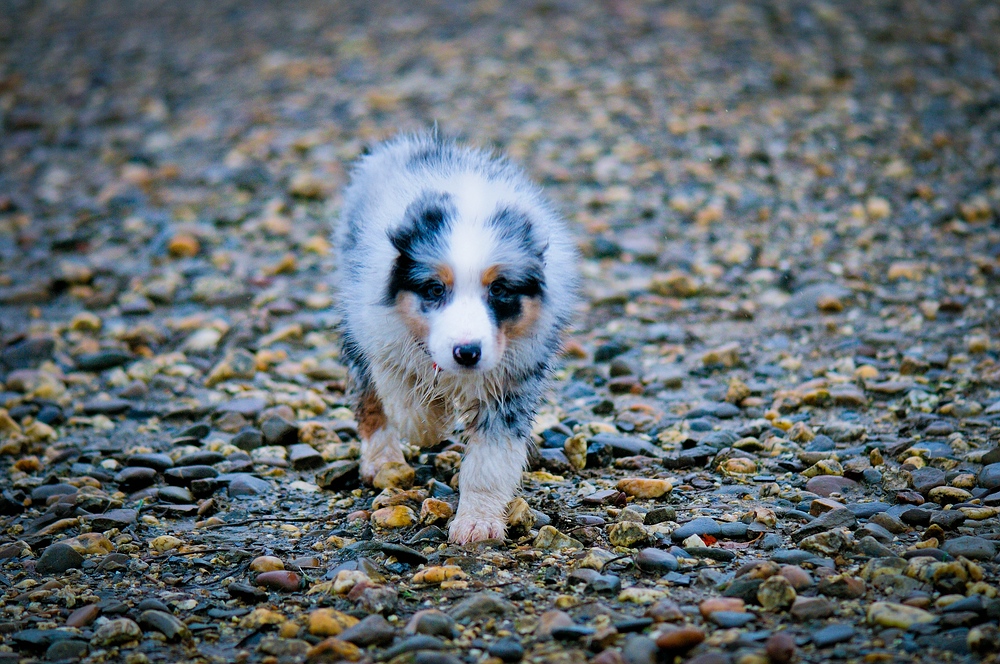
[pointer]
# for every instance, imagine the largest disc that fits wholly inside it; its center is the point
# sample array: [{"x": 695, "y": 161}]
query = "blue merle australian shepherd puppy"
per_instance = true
[{"x": 456, "y": 281}]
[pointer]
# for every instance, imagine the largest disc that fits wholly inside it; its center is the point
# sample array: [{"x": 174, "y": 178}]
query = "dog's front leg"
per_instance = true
[
  {"x": 490, "y": 475},
  {"x": 489, "y": 478}
]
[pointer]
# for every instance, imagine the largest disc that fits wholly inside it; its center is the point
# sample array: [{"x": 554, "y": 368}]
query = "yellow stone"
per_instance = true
[
  {"x": 289, "y": 629},
  {"x": 520, "y": 518},
  {"x": 334, "y": 650},
  {"x": 394, "y": 474},
  {"x": 261, "y": 617},
  {"x": 8, "y": 427},
  {"x": 908, "y": 270},
  {"x": 866, "y": 372},
  {"x": 641, "y": 487},
  {"x": 434, "y": 511},
  {"x": 397, "y": 516},
  {"x": 877, "y": 208},
  {"x": 437, "y": 574},
  {"x": 266, "y": 564},
  {"x": 737, "y": 466},
  {"x": 824, "y": 467},
  {"x": 945, "y": 495},
  {"x": 90, "y": 543},
  {"x": 183, "y": 245},
  {"x": 902, "y": 616},
  {"x": 329, "y": 622},
  {"x": 727, "y": 355},
  {"x": 347, "y": 579},
  {"x": 39, "y": 432},
  {"x": 675, "y": 283},
  {"x": 801, "y": 433},
  {"x": 164, "y": 543},
  {"x": 85, "y": 321},
  {"x": 737, "y": 390},
  {"x": 575, "y": 449},
  {"x": 638, "y": 595},
  {"x": 392, "y": 496}
]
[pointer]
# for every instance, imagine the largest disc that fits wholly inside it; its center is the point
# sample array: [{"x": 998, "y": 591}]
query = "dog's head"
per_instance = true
[{"x": 468, "y": 279}]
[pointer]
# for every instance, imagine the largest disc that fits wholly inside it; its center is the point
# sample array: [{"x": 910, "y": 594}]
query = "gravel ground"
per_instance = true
[{"x": 774, "y": 435}]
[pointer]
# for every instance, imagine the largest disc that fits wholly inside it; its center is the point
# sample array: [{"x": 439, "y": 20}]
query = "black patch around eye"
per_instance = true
[
  {"x": 504, "y": 296},
  {"x": 418, "y": 239}
]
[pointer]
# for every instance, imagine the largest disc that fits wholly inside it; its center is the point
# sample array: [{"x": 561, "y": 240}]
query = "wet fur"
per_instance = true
[{"x": 421, "y": 212}]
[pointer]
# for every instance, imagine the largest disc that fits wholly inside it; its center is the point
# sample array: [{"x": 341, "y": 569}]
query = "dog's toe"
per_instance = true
[{"x": 467, "y": 530}]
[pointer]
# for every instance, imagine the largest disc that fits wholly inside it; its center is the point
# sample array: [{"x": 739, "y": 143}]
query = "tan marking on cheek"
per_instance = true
[
  {"x": 446, "y": 276},
  {"x": 408, "y": 310},
  {"x": 490, "y": 275},
  {"x": 370, "y": 415},
  {"x": 531, "y": 311}
]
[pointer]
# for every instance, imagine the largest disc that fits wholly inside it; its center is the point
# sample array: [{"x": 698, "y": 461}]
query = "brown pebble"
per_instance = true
[
  {"x": 710, "y": 606},
  {"x": 666, "y": 610},
  {"x": 266, "y": 564},
  {"x": 680, "y": 640},
  {"x": 798, "y": 577},
  {"x": 83, "y": 616},
  {"x": 280, "y": 580},
  {"x": 609, "y": 656},
  {"x": 780, "y": 648}
]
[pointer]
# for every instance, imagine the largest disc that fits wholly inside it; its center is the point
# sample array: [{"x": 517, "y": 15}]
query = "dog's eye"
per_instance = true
[
  {"x": 433, "y": 290},
  {"x": 498, "y": 289}
]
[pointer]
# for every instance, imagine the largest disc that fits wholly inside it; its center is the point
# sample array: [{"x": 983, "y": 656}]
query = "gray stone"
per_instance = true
[
  {"x": 832, "y": 634},
  {"x": 971, "y": 547},
  {"x": 372, "y": 630},
  {"x": 839, "y": 518},
  {"x": 57, "y": 558},
  {"x": 111, "y": 519},
  {"x": 656, "y": 561},
  {"x": 989, "y": 476},
  {"x": 279, "y": 431},
  {"x": 479, "y": 605},
  {"x": 303, "y": 457},
  {"x": 702, "y": 525},
  {"x": 165, "y": 623},
  {"x": 243, "y": 484}
]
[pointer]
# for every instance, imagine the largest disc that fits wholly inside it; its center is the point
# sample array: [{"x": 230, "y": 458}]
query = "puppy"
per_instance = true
[{"x": 456, "y": 281}]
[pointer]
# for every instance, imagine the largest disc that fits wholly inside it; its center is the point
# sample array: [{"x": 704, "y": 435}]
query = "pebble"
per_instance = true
[
  {"x": 971, "y": 547},
  {"x": 889, "y": 614},
  {"x": 165, "y": 623},
  {"x": 437, "y": 623},
  {"x": 479, "y": 605},
  {"x": 58, "y": 558},
  {"x": 679, "y": 640},
  {"x": 329, "y": 622},
  {"x": 639, "y": 487},
  {"x": 83, "y": 616},
  {"x": 394, "y": 474},
  {"x": 832, "y": 634},
  {"x": 549, "y": 538},
  {"x": 776, "y": 593},
  {"x": 116, "y": 632},
  {"x": 371, "y": 630},
  {"x": 697, "y": 526},
  {"x": 279, "y": 580},
  {"x": 243, "y": 485},
  {"x": 656, "y": 561},
  {"x": 507, "y": 649}
]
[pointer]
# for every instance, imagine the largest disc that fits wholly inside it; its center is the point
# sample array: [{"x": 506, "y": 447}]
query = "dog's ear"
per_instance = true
[{"x": 423, "y": 222}]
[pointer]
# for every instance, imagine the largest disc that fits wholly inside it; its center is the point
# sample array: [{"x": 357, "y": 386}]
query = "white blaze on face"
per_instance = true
[{"x": 465, "y": 319}]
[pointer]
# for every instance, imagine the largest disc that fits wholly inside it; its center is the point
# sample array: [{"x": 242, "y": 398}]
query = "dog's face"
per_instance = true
[{"x": 468, "y": 280}]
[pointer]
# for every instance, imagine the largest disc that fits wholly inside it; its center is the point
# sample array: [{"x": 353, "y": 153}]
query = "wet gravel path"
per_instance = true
[{"x": 775, "y": 435}]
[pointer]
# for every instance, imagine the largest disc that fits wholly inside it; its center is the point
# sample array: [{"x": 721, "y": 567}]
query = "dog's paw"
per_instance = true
[{"x": 466, "y": 529}]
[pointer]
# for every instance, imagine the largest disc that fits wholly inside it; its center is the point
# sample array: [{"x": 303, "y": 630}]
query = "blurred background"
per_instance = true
[{"x": 171, "y": 153}]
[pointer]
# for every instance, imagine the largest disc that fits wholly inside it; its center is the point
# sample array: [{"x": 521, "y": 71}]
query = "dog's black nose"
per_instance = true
[{"x": 467, "y": 354}]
